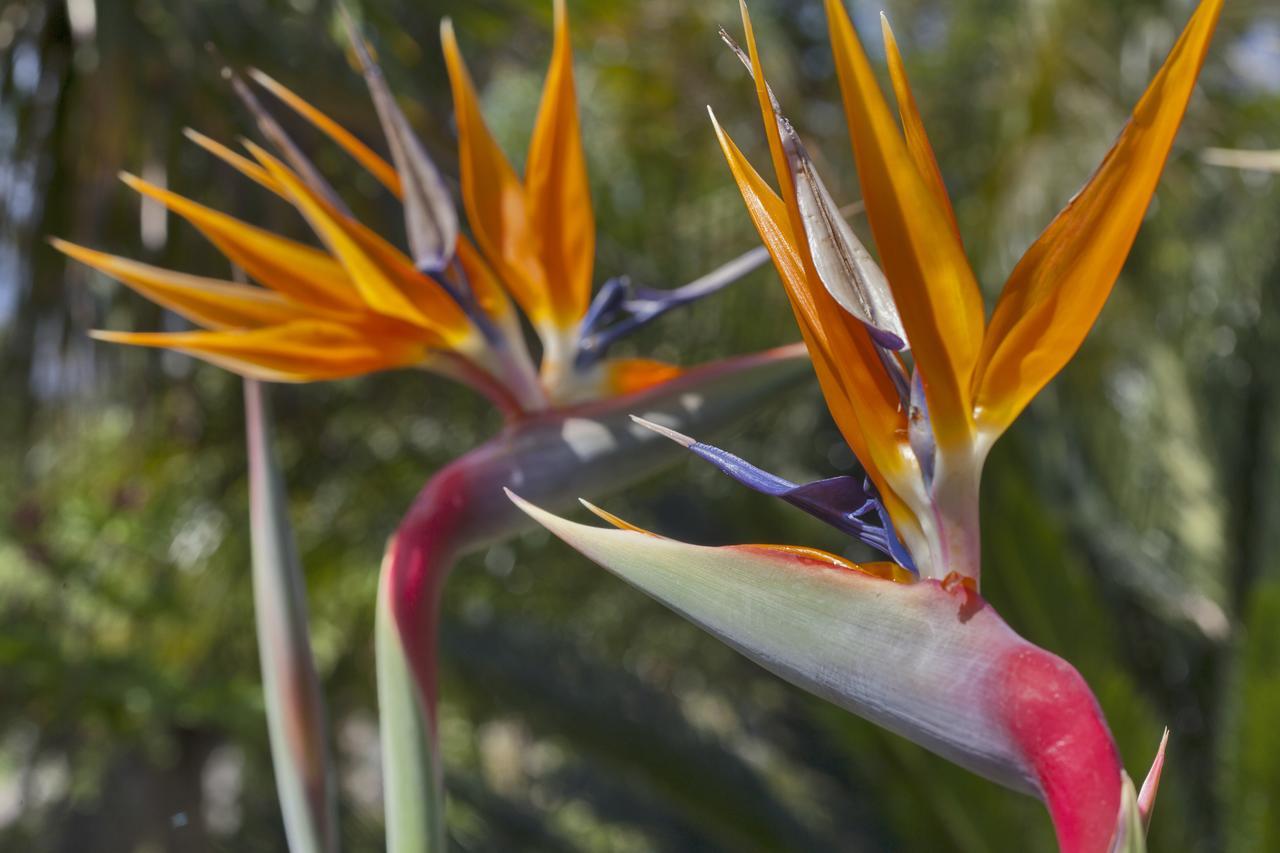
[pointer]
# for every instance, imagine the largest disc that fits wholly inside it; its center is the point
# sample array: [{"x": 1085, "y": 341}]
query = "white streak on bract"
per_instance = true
[{"x": 587, "y": 439}]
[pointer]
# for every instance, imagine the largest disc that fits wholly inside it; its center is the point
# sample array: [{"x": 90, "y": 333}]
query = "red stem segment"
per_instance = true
[
  {"x": 554, "y": 458},
  {"x": 1055, "y": 719}
]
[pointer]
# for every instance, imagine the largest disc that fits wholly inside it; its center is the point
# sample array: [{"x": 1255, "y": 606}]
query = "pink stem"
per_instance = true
[
  {"x": 555, "y": 457},
  {"x": 428, "y": 541},
  {"x": 1055, "y": 720}
]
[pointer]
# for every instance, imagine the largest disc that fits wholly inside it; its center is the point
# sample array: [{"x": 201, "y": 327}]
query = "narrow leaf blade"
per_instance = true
[{"x": 305, "y": 778}]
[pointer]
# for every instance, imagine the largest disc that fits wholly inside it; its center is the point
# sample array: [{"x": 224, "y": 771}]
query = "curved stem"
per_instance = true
[
  {"x": 1054, "y": 718},
  {"x": 412, "y": 773},
  {"x": 554, "y": 458}
]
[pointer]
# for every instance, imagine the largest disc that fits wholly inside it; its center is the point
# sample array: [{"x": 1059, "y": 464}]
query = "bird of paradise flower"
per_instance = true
[
  {"x": 360, "y": 304},
  {"x": 921, "y": 385}
]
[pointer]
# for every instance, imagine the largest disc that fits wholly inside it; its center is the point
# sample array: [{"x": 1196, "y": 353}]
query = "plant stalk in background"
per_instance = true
[
  {"x": 305, "y": 777},
  {"x": 921, "y": 384}
]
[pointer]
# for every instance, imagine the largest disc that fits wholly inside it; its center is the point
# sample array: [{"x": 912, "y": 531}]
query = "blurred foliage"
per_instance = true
[{"x": 1132, "y": 517}]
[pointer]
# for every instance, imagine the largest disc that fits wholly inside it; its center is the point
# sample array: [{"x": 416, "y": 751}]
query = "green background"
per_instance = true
[{"x": 1131, "y": 519}]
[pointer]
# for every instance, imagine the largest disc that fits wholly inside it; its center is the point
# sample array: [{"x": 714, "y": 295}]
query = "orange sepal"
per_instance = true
[
  {"x": 493, "y": 196},
  {"x": 628, "y": 375},
  {"x": 913, "y": 126},
  {"x": 556, "y": 187},
  {"x": 383, "y": 171},
  {"x": 300, "y": 351},
  {"x": 932, "y": 283},
  {"x": 1056, "y": 291},
  {"x": 209, "y": 302},
  {"x": 294, "y": 269},
  {"x": 385, "y": 277}
]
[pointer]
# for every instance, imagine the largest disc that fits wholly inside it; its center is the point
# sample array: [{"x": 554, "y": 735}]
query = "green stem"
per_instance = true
[
  {"x": 291, "y": 687},
  {"x": 412, "y": 772}
]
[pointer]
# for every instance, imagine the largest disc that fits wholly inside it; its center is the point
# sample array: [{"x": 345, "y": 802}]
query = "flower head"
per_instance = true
[
  {"x": 921, "y": 384},
  {"x": 359, "y": 304}
]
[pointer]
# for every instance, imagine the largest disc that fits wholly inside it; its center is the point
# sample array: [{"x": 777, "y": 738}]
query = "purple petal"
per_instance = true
[
  {"x": 839, "y": 501},
  {"x": 620, "y": 307}
]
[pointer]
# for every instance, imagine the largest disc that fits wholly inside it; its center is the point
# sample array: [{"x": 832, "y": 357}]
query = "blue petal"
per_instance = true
[
  {"x": 620, "y": 307},
  {"x": 849, "y": 504}
]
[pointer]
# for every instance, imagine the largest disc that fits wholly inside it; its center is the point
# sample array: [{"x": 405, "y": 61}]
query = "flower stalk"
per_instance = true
[
  {"x": 296, "y": 724},
  {"x": 593, "y": 449}
]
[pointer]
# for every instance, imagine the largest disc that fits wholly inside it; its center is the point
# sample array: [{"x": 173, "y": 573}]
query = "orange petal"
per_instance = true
[
  {"x": 347, "y": 141},
  {"x": 488, "y": 291},
  {"x": 384, "y": 276},
  {"x": 932, "y": 283},
  {"x": 1056, "y": 291},
  {"x": 559, "y": 197},
  {"x": 771, "y": 131},
  {"x": 243, "y": 165},
  {"x": 620, "y": 523},
  {"x": 296, "y": 270},
  {"x": 493, "y": 196},
  {"x": 304, "y": 350},
  {"x": 209, "y": 302},
  {"x": 628, "y": 375},
  {"x": 913, "y": 126},
  {"x": 862, "y": 400}
]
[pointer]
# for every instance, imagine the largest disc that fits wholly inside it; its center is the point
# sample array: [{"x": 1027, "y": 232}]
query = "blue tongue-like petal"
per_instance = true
[
  {"x": 849, "y": 504},
  {"x": 620, "y": 307}
]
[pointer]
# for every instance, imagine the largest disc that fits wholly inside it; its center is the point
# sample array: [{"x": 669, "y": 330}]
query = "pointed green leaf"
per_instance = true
[{"x": 296, "y": 725}]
